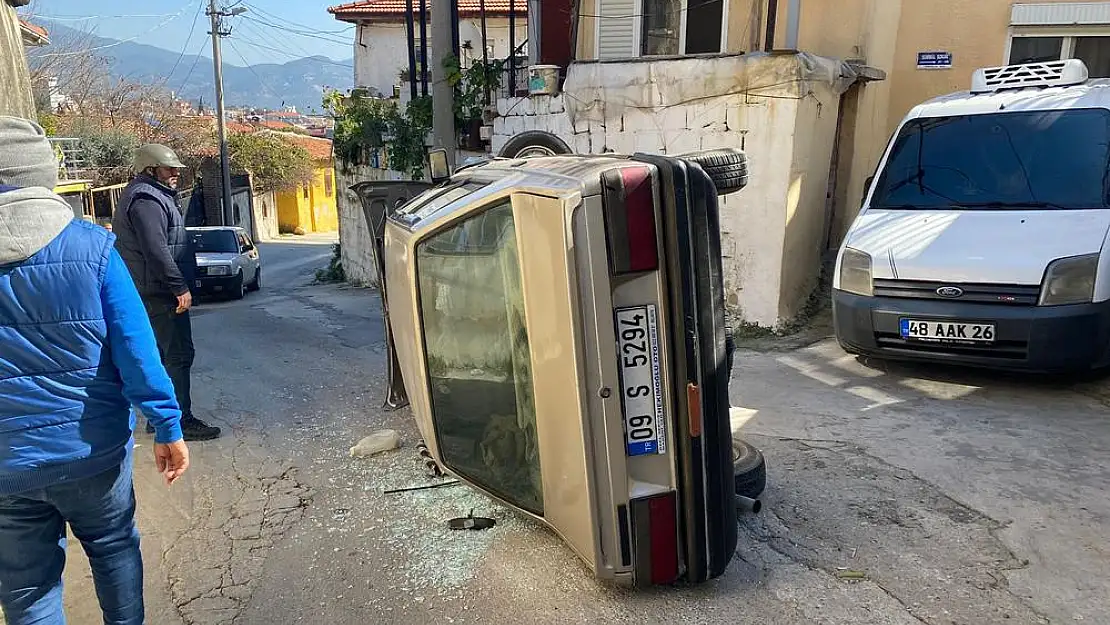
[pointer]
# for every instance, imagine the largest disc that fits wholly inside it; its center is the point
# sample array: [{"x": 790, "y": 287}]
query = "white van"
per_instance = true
[{"x": 981, "y": 238}]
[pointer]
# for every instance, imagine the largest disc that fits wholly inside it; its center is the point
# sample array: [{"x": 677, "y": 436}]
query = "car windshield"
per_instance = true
[
  {"x": 1023, "y": 160},
  {"x": 214, "y": 241}
]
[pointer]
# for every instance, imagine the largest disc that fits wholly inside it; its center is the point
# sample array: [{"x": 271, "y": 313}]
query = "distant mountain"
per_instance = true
[{"x": 298, "y": 83}]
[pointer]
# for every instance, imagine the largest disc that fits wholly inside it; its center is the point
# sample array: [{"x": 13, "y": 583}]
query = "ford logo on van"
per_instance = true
[{"x": 950, "y": 291}]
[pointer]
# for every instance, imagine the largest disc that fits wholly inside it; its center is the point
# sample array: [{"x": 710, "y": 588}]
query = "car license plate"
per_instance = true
[
  {"x": 641, "y": 388},
  {"x": 947, "y": 331}
]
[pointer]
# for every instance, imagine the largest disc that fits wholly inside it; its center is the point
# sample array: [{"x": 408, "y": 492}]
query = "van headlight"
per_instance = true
[
  {"x": 219, "y": 270},
  {"x": 855, "y": 272},
  {"x": 1069, "y": 281}
]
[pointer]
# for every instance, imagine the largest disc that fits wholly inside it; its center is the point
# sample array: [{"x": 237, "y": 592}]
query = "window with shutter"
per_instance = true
[{"x": 616, "y": 29}]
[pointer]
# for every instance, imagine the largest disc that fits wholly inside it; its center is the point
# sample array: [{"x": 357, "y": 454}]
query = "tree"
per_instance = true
[{"x": 275, "y": 162}]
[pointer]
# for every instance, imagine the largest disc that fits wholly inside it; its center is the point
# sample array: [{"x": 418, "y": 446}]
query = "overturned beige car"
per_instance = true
[{"x": 557, "y": 325}]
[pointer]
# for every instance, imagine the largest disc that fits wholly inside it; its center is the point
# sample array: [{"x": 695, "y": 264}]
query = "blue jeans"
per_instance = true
[{"x": 100, "y": 510}]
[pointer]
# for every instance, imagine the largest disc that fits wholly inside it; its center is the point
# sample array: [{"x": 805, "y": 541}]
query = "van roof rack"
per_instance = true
[{"x": 1049, "y": 74}]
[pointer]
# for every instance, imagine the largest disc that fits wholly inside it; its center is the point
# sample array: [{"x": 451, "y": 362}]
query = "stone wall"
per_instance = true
[
  {"x": 15, "y": 97},
  {"x": 356, "y": 244},
  {"x": 772, "y": 231}
]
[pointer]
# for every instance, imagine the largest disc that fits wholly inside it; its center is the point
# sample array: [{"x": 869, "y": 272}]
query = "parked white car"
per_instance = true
[
  {"x": 227, "y": 261},
  {"x": 981, "y": 239}
]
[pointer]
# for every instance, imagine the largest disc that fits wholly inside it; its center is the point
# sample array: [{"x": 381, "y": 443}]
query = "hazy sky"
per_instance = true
[{"x": 272, "y": 31}]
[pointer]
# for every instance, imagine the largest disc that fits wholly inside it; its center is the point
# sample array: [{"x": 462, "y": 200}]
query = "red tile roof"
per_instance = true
[
  {"x": 239, "y": 127},
  {"x": 319, "y": 149},
  {"x": 390, "y": 10},
  {"x": 275, "y": 125},
  {"x": 38, "y": 31}
]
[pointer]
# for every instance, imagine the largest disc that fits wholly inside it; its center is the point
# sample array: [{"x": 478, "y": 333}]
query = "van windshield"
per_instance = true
[{"x": 999, "y": 161}]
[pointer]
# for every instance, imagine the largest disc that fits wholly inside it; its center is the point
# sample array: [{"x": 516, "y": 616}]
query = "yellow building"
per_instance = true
[{"x": 311, "y": 208}]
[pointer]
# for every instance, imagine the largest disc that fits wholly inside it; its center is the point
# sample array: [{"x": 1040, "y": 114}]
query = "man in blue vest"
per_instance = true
[
  {"x": 76, "y": 353},
  {"x": 151, "y": 238}
]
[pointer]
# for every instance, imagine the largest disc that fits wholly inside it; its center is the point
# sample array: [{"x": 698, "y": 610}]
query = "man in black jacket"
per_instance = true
[{"x": 151, "y": 238}]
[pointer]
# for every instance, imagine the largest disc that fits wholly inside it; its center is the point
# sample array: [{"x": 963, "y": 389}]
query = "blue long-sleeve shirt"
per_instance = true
[{"x": 135, "y": 352}]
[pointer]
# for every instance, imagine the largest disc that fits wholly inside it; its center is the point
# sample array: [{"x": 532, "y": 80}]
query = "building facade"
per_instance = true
[
  {"x": 311, "y": 207},
  {"x": 381, "y": 39}
]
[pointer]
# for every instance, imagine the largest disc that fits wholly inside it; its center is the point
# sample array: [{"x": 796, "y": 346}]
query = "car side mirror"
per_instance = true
[
  {"x": 438, "y": 167},
  {"x": 866, "y": 188}
]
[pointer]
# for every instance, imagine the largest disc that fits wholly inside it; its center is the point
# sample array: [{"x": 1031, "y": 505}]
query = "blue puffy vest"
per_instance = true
[{"x": 62, "y": 410}]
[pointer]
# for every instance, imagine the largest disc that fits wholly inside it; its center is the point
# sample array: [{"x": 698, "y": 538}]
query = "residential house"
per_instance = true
[
  {"x": 311, "y": 207},
  {"x": 381, "y": 40},
  {"x": 33, "y": 34},
  {"x": 814, "y": 123}
]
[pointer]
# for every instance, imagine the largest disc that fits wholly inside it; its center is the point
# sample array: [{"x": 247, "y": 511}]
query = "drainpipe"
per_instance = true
[
  {"x": 793, "y": 19},
  {"x": 772, "y": 23}
]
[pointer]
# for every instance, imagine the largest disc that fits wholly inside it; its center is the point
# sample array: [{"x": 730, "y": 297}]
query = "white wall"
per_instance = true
[
  {"x": 381, "y": 50},
  {"x": 356, "y": 246},
  {"x": 772, "y": 230}
]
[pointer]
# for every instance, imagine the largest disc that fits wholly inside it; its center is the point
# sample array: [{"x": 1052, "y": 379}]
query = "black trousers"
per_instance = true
[{"x": 174, "y": 333}]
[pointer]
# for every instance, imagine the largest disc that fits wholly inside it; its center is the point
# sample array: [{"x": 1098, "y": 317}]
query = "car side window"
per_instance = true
[{"x": 479, "y": 359}]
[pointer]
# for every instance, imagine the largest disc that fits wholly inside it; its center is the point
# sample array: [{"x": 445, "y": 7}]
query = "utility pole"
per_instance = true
[
  {"x": 217, "y": 33},
  {"x": 443, "y": 109}
]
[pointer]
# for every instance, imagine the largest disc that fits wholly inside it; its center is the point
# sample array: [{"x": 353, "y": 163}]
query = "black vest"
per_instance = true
[{"x": 149, "y": 283}]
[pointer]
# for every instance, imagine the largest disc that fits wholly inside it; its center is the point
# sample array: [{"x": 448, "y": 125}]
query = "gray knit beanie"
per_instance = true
[{"x": 26, "y": 157}]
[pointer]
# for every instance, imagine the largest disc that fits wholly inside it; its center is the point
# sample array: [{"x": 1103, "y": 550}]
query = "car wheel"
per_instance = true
[
  {"x": 256, "y": 284},
  {"x": 749, "y": 468},
  {"x": 728, "y": 168},
  {"x": 239, "y": 287},
  {"x": 534, "y": 143}
]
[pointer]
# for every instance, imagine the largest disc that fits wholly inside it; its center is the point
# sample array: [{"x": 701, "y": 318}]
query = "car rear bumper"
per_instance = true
[
  {"x": 1028, "y": 338},
  {"x": 214, "y": 285}
]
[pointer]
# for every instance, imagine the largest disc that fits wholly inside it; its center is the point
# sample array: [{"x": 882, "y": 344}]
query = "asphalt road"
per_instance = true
[{"x": 897, "y": 495}]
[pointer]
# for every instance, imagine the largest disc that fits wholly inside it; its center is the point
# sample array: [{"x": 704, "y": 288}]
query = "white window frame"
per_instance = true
[
  {"x": 1068, "y": 34},
  {"x": 638, "y": 30}
]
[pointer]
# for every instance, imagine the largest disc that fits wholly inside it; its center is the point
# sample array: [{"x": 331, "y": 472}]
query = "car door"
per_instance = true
[
  {"x": 253, "y": 257},
  {"x": 379, "y": 200}
]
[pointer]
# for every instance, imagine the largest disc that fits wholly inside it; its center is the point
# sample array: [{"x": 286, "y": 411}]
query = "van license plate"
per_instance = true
[
  {"x": 947, "y": 331},
  {"x": 641, "y": 389}
]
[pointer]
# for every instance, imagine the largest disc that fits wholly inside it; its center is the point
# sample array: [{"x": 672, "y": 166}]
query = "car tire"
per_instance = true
[
  {"x": 728, "y": 168},
  {"x": 256, "y": 284},
  {"x": 239, "y": 287},
  {"x": 533, "y": 143},
  {"x": 749, "y": 469}
]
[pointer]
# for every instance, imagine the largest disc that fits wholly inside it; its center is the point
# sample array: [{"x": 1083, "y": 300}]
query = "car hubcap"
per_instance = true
[{"x": 534, "y": 151}]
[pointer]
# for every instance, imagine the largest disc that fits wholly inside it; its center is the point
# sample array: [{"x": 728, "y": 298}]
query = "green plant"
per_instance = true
[
  {"x": 275, "y": 162},
  {"x": 366, "y": 123},
  {"x": 334, "y": 271},
  {"x": 470, "y": 86}
]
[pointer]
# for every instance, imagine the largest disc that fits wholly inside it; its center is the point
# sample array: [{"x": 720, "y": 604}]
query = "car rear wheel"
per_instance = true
[
  {"x": 749, "y": 469},
  {"x": 534, "y": 143},
  {"x": 257, "y": 282},
  {"x": 239, "y": 287}
]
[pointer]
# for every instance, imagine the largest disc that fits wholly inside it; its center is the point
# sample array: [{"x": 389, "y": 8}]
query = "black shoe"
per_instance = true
[
  {"x": 149, "y": 428},
  {"x": 196, "y": 430}
]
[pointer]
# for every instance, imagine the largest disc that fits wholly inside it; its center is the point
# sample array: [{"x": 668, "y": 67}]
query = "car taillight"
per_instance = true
[
  {"x": 629, "y": 202},
  {"x": 655, "y": 542}
]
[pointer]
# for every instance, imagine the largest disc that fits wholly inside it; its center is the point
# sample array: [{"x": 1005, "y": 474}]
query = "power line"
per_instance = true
[
  {"x": 196, "y": 59},
  {"x": 117, "y": 43},
  {"x": 258, "y": 10},
  {"x": 200, "y": 7},
  {"x": 292, "y": 56},
  {"x": 282, "y": 45},
  {"x": 261, "y": 82},
  {"x": 299, "y": 33}
]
